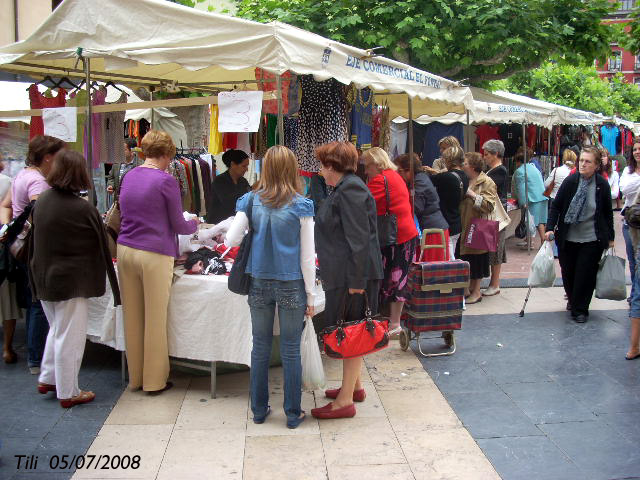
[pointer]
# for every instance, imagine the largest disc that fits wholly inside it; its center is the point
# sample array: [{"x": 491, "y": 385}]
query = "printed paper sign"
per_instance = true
[
  {"x": 239, "y": 111},
  {"x": 60, "y": 123}
]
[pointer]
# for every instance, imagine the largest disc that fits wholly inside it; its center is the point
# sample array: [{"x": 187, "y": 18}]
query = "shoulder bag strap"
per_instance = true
[
  {"x": 386, "y": 193},
  {"x": 250, "y": 212},
  {"x": 461, "y": 185}
]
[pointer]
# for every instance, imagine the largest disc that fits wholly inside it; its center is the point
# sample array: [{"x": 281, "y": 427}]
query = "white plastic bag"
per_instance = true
[
  {"x": 312, "y": 369},
  {"x": 533, "y": 228},
  {"x": 611, "y": 283},
  {"x": 543, "y": 269}
]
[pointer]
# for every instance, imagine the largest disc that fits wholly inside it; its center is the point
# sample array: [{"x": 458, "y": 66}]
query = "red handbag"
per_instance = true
[{"x": 358, "y": 337}]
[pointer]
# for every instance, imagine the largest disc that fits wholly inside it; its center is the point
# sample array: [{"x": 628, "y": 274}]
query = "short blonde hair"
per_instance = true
[
  {"x": 379, "y": 158},
  {"x": 569, "y": 157},
  {"x": 157, "y": 143},
  {"x": 279, "y": 181},
  {"x": 453, "y": 157},
  {"x": 448, "y": 142}
]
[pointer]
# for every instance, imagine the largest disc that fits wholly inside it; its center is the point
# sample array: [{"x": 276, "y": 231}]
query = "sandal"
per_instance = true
[{"x": 83, "y": 397}]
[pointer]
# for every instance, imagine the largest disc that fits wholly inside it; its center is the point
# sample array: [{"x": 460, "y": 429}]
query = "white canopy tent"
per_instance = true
[{"x": 183, "y": 47}]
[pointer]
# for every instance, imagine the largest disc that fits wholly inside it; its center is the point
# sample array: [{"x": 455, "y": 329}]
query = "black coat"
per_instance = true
[
  {"x": 346, "y": 235},
  {"x": 603, "y": 217},
  {"x": 427, "y": 203}
]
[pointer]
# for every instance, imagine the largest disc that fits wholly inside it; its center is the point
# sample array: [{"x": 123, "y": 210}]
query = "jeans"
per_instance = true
[
  {"x": 291, "y": 299},
  {"x": 36, "y": 324},
  {"x": 634, "y": 307},
  {"x": 631, "y": 257}
]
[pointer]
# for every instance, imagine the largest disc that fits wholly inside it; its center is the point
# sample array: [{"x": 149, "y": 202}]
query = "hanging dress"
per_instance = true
[{"x": 39, "y": 101}]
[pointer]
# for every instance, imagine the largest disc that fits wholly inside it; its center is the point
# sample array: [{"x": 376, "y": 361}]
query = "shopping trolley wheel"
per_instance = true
[
  {"x": 404, "y": 339},
  {"x": 448, "y": 338}
]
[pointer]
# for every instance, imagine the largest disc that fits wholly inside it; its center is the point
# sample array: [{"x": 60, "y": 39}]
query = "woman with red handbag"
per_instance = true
[
  {"x": 350, "y": 262},
  {"x": 479, "y": 201}
]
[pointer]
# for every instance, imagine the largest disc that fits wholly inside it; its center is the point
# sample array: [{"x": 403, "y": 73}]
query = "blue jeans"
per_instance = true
[
  {"x": 292, "y": 303},
  {"x": 634, "y": 305},
  {"x": 36, "y": 324},
  {"x": 631, "y": 257}
]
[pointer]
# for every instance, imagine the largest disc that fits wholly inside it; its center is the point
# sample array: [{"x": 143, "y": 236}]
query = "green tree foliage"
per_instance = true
[
  {"x": 479, "y": 40},
  {"x": 577, "y": 87}
]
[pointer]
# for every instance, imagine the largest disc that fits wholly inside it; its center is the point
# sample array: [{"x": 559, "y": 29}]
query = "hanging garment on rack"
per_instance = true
[
  {"x": 229, "y": 141},
  {"x": 322, "y": 119},
  {"x": 97, "y": 98},
  {"x": 78, "y": 100},
  {"x": 244, "y": 143},
  {"x": 511, "y": 136},
  {"x": 187, "y": 200},
  {"x": 434, "y": 132},
  {"x": 215, "y": 137},
  {"x": 610, "y": 134},
  {"x": 206, "y": 184},
  {"x": 362, "y": 119},
  {"x": 39, "y": 101},
  {"x": 201, "y": 209},
  {"x": 114, "y": 133},
  {"x": 532, "y": 136},
  {"x": 399, "y": 133},
  {"x": 176, "y": 169},
  {"x": 196, "y": 120},
  {"x": 419, "y": 134},
  {"x": 485, "y": 133},
  {"x": 272, "y": 130},
  {"x": 294, "y": 95},
  {"x": 385, "y": 129},
  {"x": 291, "y": 126},
  {"x": 261, "y": 138},
  {"x": 267, "y": 83}
]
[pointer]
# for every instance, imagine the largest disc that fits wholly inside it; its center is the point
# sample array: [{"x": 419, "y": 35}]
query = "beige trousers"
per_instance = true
[{"x": 145, "y": 286}]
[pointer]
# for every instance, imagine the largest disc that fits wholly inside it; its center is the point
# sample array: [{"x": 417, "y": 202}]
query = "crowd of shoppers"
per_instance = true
[{"x": 432, "y": 207}]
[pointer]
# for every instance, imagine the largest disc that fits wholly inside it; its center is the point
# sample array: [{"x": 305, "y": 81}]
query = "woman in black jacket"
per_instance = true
[
  {"x": 350, "y": 262},
  {"x": 582, "y": 218},
  {"x": 426, "y": 206}
]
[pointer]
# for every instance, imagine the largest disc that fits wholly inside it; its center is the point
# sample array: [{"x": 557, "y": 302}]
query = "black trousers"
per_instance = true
[{"x": 579, "y": 265}]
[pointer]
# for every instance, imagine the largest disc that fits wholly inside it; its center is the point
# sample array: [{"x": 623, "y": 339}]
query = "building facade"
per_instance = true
[{"x": 621, "y": 61}]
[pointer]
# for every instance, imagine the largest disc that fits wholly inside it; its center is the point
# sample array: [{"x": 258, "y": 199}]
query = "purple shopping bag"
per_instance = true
[{"x": 483, "y": 234}]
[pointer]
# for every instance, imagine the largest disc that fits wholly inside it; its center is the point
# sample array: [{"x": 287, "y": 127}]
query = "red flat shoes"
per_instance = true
[
  {"x": 358, "y": 395},
  {"x": 326, "y": 412},
  {"x": 83, "y": 397},
  {"x": 45, "y": 388}
]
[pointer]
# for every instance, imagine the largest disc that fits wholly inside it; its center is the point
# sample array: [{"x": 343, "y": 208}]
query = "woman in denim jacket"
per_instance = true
[{"x": 282, "y": 269}]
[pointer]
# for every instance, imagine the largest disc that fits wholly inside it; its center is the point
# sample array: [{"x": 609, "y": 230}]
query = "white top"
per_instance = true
[
  {"x": 239, "y": 228},
  {"x": 614, "y": 181},
  {"x": 560, "y": 174},
  {"x": 629, "y": 186}
]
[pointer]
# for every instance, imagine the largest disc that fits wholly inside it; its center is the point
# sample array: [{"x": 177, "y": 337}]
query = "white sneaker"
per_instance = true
[
  {"x": 491, "y": 291},
  {"x": 34, "y": 370}
]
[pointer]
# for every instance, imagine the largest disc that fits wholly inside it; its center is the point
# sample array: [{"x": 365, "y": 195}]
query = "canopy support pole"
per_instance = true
[
  {"x": 280, "y": 111},
  {"x": 410, "y": 141},
  {"x": 467, "y": 137},
  {"x": 87, "y": 73},
  {"x": 153, "y": 112},
  {"x": 526, "y": 187}
]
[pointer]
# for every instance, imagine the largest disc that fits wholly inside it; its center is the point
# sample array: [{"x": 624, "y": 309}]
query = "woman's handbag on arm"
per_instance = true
[
  {"x": 549, "y": 189},
  {"x": 387, "y": 223},
  {"x": 358, "y": 337},
  {"x": 239, "y": 281}
]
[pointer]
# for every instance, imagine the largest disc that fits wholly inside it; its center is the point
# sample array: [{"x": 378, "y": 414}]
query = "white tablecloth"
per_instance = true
[{"x": 205, "y": 322}]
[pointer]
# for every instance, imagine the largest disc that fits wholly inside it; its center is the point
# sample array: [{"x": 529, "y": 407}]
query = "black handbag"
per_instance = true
[
  {"x": 239, "y": 281},
  {"x": 18, "y": 232},
  {"x": 387, "y": 223},
  {"x": 521, "y": 229}
]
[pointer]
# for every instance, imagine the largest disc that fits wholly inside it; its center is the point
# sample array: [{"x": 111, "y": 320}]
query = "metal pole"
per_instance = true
[
  {"x": 467, "y": 137},
  {"x": 87, "y": 73},
  {"x": 526, "y": 187},
  {"x": 280, "y": 111},
  {"x": 410, "y": 140},
  {"x": 153, "y": 113}
]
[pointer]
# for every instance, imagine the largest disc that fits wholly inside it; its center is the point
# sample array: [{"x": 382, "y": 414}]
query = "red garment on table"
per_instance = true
[
  {"x": 435, "y": 254},
  {"x": 39, "y": 101},
  {"x": 400, "y": 205},
  {"x": 486, "y": 132},
  {"x": 221, "y": 248}
]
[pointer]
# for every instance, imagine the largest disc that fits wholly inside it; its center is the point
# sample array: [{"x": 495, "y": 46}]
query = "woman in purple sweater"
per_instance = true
[{"x": 151, "y": 210}]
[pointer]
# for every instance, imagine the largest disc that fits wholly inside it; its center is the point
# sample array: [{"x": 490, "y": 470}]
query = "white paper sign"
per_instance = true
[
  {"x": 60, "y": 123},
  {"x": 239, "y": 111}
]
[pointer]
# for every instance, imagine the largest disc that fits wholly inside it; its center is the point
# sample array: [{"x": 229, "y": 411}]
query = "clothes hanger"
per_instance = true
[
  {"x": 63, "y": 80},
  {"x": 44, "y": 80},
  {"x": 110, "y": 83}
]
